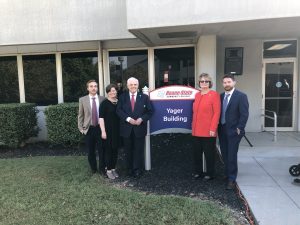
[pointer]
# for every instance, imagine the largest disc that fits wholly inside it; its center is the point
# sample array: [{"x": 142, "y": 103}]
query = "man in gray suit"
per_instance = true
[{"x": 88, "y": 124}]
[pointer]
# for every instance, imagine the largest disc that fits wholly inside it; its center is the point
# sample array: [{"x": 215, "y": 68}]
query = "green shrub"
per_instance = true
[
  {"x": 18, "y": 122},
  {"x": 61, "y": 122}
]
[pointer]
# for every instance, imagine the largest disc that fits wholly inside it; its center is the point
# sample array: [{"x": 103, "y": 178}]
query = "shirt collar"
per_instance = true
[
  {"x": 135, "y": 93},
  {"x": 96, "y": 96}
]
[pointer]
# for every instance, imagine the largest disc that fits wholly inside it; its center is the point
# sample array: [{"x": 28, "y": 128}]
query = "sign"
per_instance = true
[{"x": 173, "y": 109}]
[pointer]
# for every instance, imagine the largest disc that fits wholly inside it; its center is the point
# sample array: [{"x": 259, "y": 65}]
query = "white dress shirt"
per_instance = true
[
  {"x": 135, "y": 94},
  {"x": 229, "y": 92},
  {"x": 130, "y": 96}
]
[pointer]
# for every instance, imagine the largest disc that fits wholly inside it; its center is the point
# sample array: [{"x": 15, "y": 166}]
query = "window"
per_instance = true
[
  {"x": 280, "y": 49},
  {"x": 9, "y": 85},
  {"x": 40, "y": 79},
  {"x": 126, "y": 64},
  {"x": 174, "y": 66},
  {"x": 77, "y": 69}
]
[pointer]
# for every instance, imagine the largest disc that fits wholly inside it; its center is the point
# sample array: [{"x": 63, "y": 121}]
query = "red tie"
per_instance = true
[{"x": 132, "y": 102}]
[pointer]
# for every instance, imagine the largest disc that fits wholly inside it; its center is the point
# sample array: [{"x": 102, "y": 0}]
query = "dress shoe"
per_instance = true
[
  {"x": 94, "y": 171},
  {"x": 197, "y": 176},
  {"x": 230, "y": 185},
  {"x": 208, "y": 178}
]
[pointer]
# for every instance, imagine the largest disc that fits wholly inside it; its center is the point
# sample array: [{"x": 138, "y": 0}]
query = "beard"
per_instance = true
[{"x": 228, "y": 88}]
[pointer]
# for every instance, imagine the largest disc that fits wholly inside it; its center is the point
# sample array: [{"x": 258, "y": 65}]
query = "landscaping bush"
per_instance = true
[
  {"x": 18, "y": 122},
  {"x": 61, "y": 122}
]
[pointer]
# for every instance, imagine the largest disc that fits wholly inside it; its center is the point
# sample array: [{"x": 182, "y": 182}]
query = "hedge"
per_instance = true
[
  {"x": 18, "y": 122},
  {"x": 61, "y": 122}
]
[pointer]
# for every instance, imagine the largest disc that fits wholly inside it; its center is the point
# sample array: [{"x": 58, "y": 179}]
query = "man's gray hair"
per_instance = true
[{"x": 132, "y": 79}]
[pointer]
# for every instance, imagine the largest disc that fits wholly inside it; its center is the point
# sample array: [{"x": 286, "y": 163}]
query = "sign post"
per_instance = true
[{"x": 147, "y": 140}]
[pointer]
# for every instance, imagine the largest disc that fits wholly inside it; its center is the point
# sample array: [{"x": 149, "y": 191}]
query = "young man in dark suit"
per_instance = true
[
  {"x": 88, "y": 124},
  {"x": 134, "y": 109},
  {"x": 234, "y": 116}
]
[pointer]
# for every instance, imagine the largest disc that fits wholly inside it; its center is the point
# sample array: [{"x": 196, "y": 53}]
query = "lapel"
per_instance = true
[
  {"x": 137, "y": 100},
  {"x": 231, "y": 98},
  {"x": 87, "y": 104}
]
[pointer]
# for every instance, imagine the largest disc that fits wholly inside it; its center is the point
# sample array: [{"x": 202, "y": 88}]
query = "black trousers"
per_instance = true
[
  {"x": 229, "y": 148},
  {"x": 93, "y": 143},
  {"x": 208, "y": 146},
  {"x": 111, "y": 157},
  {"x": 134, "y": 149}
]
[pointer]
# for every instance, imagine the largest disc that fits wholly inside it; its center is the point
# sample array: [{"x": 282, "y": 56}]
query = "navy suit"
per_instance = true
[
  {"x": 133, "y": 135},
  {"x": 236, "y": 116}
]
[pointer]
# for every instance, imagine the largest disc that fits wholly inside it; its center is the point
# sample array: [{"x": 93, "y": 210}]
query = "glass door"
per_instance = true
[{"x": 279, "y": 93}]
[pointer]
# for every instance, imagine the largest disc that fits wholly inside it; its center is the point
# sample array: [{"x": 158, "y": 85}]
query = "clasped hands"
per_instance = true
[{"x": 136, "y": 122}]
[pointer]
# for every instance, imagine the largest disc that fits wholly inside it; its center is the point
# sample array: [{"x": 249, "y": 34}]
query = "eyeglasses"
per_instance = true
[{"x": 204, "y": 81}]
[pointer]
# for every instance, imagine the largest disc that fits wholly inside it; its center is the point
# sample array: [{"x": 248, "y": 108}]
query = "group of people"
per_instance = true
[
  {"x": 104, "y": 120},
  {"x": 215, "y": 115}
]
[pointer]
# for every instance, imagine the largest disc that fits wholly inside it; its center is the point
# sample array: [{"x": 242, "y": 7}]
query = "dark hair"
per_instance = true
[
  {"x": 228, "y": 76},
  {"x": 90, "y": 81},
  {"x": 109, "y": 87}
]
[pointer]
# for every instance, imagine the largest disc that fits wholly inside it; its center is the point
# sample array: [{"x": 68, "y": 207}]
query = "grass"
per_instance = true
[{"x": 60, "y": 190}]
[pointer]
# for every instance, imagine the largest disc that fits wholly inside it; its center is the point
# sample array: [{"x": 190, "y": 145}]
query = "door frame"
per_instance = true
[{"x": 295, "y": 92}]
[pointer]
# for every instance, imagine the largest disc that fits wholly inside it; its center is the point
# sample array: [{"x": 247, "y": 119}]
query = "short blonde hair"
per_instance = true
[{"x": 208, "y": 77}]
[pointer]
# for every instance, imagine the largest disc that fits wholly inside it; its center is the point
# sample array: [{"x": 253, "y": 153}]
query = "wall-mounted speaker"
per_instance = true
[{"x": 234, "y": 61}]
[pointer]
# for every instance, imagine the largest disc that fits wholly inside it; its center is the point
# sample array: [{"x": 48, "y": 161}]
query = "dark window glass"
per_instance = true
[
  {"x": 126, "y": 64},
  {"x": 77, "y": 69},
  {"x": 174, "y": 66},
  {"x": 9, "y": 85},
  {"x": 40, "y": 79},
  {"x": 279, "y": 93},
  {"x": 284, "y": 110},
  {"x": 280, "y": 49}
]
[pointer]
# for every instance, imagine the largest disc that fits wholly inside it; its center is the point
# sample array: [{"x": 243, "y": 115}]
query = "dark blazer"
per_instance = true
[
  {"x": 142, "y": 109},
  {"x": 237, "y": 112}
]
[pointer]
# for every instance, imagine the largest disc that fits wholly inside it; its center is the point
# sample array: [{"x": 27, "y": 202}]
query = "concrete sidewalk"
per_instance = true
[{"x": 264, "y": 177}]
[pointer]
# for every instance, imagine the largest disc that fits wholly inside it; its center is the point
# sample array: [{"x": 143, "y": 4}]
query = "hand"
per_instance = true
[
  {"x": 212, "y": 133},
  {"x": 103, "y": 135},
  {"x": 132, "y": 122},
  {"x": 238, "y": 131},
  {"x": 139, "y": 121}
]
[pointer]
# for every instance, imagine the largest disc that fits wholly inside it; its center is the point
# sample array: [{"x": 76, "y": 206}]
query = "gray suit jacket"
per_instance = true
[{"x": 85, "y": 113}]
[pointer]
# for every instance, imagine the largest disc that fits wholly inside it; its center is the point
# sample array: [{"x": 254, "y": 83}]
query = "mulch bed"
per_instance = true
[{"x": 171, "y": 173}]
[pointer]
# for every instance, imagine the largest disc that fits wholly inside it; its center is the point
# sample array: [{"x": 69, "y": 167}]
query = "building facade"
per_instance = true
[{"x": 49, "y": 49}]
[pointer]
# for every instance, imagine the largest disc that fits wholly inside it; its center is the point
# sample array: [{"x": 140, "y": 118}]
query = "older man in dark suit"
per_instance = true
[
  {"x": 234, "y": 116},
  {"x": 134, "y": 109},
  {"x": 88, "y": 124}
]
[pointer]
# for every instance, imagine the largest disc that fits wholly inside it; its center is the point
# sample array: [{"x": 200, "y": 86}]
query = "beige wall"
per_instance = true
[
  {"x": 52, "y": 21},
  {"x": 251, "y": 80},
  {"x": 146, "y": 14}
]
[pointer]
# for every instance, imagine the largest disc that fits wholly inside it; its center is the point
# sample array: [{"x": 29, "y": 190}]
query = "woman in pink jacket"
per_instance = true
[{"x": 206, "y": 114}]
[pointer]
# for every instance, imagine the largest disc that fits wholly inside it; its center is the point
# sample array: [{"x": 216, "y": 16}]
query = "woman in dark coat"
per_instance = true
[{"x": 109, "y": 124}]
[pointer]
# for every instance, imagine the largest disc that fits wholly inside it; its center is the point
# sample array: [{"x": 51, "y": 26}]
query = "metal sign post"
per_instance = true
[{"x": 147, "y": 139}]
